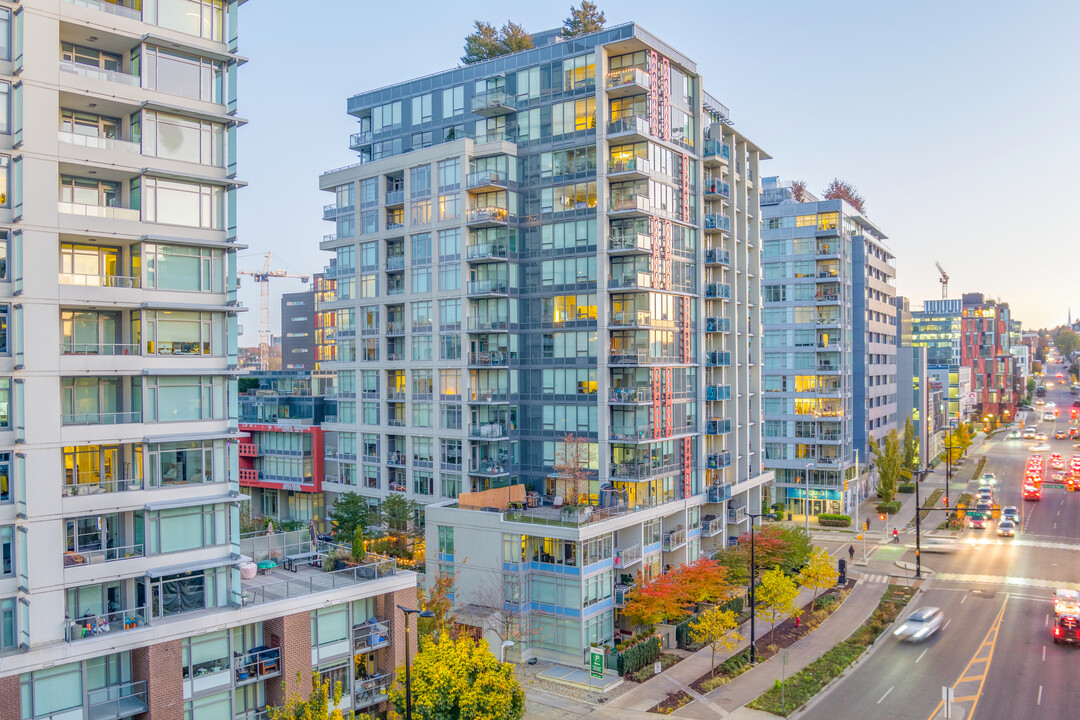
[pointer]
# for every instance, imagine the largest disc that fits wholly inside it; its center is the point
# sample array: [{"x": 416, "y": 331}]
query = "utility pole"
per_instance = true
[{"x": 918, "y": 531}]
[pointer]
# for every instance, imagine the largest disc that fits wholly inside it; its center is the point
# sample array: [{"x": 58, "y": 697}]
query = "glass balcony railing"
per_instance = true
[
  {"x": 717, "y": 461},
  {"x": 359, "y": 139},
  {"x": 99, "y": 211},
  {"x": 625, "y": 557},
  {"x": 89, "y": 485},
  {"x": 715, "y": 393},
  {"x": 641, "y": 394},
  {"x": 717, "y": 324},
  {"x": 636, "y": 124},
  {"x": 109, "y": 281},
  {"x": 630, "y": 241},
  {"x": 113, "y": 8},
  {"x": 371, "y": 635},
  {"x": 717, "y": 149},
  {"x": 69, "y": 347},
  {"x": 395, "y": 197},
  {"x": 716, "y": 221},
  {"x": 114, "y": 702},
  {"x": 102, "y": 418},
  {"x": 103, "y": 555},
  {"x": 487, "y": 215},
  {"x": 492, "y": 101},
  {"x": 115, "y": 76},
  {"x": 372, "y": 689},
  {"x": 718, "y": 290},
  {"x": 101, "y": 143},
  {"x": 717, "y": 257},
  {"x": 485, "y": 178},
  {"x": 487, "y": 287},
  {"x": 486, "y": 251},
  {"x": 718, "y": 427},
  {"x": 632, "y": 164},
  {"x": 717, "y": 358},
  {"x": 490, "y": 358},
  {"x": 93, "y": 625},
  {"x": 628, "y": 76}
]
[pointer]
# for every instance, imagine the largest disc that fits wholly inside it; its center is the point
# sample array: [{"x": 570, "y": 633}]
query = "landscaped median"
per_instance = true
[{"x": 801, "y": 687}]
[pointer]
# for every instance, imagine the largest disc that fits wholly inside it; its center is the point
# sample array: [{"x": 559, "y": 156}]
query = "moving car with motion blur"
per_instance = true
[
  {"x": 920, "y": 624},
  {"x": 1006, "y": 528},
  {"x": 1066, "y": 616}
]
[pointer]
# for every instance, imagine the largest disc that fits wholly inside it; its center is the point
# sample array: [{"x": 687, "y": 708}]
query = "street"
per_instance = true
[{"x": 996, "y": 648}]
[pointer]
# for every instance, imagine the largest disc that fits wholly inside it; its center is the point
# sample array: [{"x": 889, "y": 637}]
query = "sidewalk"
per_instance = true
[{"x": 739, "y": 691}]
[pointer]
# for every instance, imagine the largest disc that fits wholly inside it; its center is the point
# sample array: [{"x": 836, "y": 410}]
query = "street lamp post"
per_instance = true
[
  {"x": 408, "y": 677},
  {"x": 753, "y": 650}
]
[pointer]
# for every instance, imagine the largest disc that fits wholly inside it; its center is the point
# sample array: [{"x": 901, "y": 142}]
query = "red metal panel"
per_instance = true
[
  {"x": 669, "y": 398},
  {"x": 665, "y": 100},
  {"x": 654, "y": 94},
  {"x": 657, "y": 401},
  {"x": 685, "y": 329},
  {"x": 687, "y": 462},
  {"x": 668, "y": 242},
  {"x": 685, "y": 188},
  {"x": 656, "y": 263}
]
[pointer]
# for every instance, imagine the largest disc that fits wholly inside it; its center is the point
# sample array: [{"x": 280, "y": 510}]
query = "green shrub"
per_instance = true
[
  {"x": 825, "y": 601},
  {"x": 638, "y": 656},
  {"x": 647, "y": 671},
  {"x": 892, "y": 507},
  {"x": 906, "y": 488},
  {"x": 832, "y": 520}
]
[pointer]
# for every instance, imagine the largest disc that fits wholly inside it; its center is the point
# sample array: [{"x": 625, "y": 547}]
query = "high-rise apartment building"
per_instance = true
[
  {"x": 298, "y": 331},
  {"x": 553, "y": 246},
  {"x": 937, "y": 328},
  {"x": 830, "y": 334},
  {"x": 126, "y": 588}
]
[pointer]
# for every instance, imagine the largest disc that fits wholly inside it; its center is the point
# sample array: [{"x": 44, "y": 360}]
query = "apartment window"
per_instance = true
[
  {"x": 449, "y": 277},
  {"x": 369, "y": 221},
  {"x": 180, "y": 74},
  {"x": 449, "y": 206},
  {"x": 449, "y": 245},
  {"x": 420, "y": 212},
  {"x": 369, "y": 257},
  {"x": 5, "y": 35},
  {"x": 421, "y": 249},
  {"x": 172, "y": 399},
  {"x": 450, "y": 485},
  {"x": 450, "y": 384},
  {"x": 386, "y": 117},
  {"x": 420, "y": 181},
  {"x": 450, "y": 452},
  {"x": 89, "y": 57},
  {"x": 52, "y": 690},
  {"x": 450, "y": 314},
  {"x": 181, "y": 267},
  {"x": 181, "y": 203},
  {"x": 7, "y": 550},
  {"x": 421, "y": 280},
  {"x": 188, "y": 528},
  {"x": 423, "y": 482},
  {"x": 203, "y": 18},
  {"x": 421, "y": 109},
  {"x": 451, "y": 417},
  {"x": 421, "y": 347},
  {"x": 84, "y": 191},
  {"x": 174, "y": 332},
  {"x": 421, "y": 415},
  {"x": 449, "y": 175},
  {"x": 205, "y": 654},
  {"x": 449, "y": 347},
  {"x": 346, "y": 226},
  {"x": 368, "y": 286},
  {"x": 453, "y": 101},
  {"x": 179, "y": 138}
]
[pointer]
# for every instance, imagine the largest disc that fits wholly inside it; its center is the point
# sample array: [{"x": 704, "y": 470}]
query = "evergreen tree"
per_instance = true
[
  {"x": 481, "y": 44},
  {"x": 584, "y": 19}
]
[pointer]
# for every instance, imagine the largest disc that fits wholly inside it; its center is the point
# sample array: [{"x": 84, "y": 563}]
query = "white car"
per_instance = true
[
  {"x": 941, "y": 545},
  {"x": 920, "y": 624},
  {"x": 1040, "y": 447}
]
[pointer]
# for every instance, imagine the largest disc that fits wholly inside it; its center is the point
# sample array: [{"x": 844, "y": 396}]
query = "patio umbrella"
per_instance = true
[{"x": 313, "y": 535}]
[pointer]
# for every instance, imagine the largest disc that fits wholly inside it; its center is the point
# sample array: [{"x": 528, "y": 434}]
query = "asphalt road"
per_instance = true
[{"x": 996, "y": 649}]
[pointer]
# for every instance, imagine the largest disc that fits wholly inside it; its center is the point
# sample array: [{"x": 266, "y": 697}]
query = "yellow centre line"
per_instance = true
[{"x": 991, "y": 640}]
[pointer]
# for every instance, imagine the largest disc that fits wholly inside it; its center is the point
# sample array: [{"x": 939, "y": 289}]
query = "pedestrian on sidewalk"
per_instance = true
[
  {"x": 867, "y": 522},
  {"x": 851, "y": 552}
]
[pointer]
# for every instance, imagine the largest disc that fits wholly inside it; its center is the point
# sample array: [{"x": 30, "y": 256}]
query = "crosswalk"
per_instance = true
[
  {"x": 878, "y": 578},
  {"x": 1005, "y": 580}
]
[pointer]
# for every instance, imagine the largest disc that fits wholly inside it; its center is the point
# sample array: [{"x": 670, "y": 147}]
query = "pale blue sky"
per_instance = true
[{"x": 958, "y": 121}]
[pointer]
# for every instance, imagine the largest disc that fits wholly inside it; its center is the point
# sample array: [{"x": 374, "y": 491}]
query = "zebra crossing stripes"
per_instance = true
[{"x": 878, "y": 578}]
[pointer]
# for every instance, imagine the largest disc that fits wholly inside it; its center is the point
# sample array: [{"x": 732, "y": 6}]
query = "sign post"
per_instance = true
[
  {"x": 596, "y": 666},
  {"x": 783, "y": 674},
  {"x": 948, "y": 695}
]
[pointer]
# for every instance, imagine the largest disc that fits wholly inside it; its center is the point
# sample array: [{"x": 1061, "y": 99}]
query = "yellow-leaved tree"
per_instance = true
[
  {"x": 717, "y": 628},
  {"x": 316, "y": 707},
  {"x": 774, "y": 598},
  {"x": 819, "y": 572},
  {"x": 460, "y": 679}
]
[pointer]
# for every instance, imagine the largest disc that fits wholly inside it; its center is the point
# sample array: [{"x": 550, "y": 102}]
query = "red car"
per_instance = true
[{"x": 1031, "y": 492}]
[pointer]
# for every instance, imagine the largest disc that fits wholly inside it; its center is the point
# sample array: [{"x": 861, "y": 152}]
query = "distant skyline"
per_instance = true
[{"x": 955, "y": 121}]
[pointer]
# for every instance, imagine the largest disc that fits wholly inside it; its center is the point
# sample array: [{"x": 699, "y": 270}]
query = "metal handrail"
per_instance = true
[{"x": 109, "y": 554}]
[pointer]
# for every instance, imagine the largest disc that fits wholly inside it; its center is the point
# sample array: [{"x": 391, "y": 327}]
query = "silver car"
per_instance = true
[{"x": 920, "y": 624}]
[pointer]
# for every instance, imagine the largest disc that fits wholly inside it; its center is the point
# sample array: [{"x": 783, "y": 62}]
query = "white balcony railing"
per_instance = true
[
  {"x": 99, "y": 74},
  {"x": 101, "y": 143},
  {"x": 101, "y": 211}
]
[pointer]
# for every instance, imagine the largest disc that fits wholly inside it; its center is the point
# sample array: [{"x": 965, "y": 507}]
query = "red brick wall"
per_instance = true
[
  {"x": 393, "y": 657},
  {"x": 292, "y": 633},
  {"x": 161, "y": 667},
  {"x": 10, "y": 707}
]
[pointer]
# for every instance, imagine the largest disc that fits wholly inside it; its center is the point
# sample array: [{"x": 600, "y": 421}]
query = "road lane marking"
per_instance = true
[
  {"x": 1038, "y": 700},
  {"x": 989, "y": 641},
  {"x": 925, "y": 650},
  {"x": 947, "y": 623},
  {"x": 1005, "y": 580},
  {"x": 890, "y": 690},
  {"x": 1046, "y": 623},
  {"x": 963, "y": 599},
  {"x": 1044, "y": 653}
]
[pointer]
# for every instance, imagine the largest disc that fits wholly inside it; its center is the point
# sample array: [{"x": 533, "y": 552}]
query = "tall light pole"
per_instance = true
[
  {"x": 408, "y": 677},
  {"x": 753, "y": 650}
]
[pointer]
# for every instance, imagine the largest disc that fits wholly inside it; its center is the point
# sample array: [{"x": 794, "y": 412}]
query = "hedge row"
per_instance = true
[
  {"x": 830, "y": 520},
  {"x": 682, "y": 630},
  {"x": 634, "y": 658},
  {"x": 906, "y": 488},
  {"x": 892, "y": 507}
]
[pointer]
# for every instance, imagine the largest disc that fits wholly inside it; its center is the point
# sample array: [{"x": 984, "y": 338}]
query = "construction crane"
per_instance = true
[
  {"x": 944, "y": 281},
  {"x": 263, "y": 276}
]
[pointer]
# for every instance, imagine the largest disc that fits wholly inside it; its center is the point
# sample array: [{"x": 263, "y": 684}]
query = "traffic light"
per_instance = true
[
  {"x": 945, "y": 502},
  {"x": 881, "y": 516},
  {"x": 1073, "y": 413},
  {"x": 845, "y": 481}
]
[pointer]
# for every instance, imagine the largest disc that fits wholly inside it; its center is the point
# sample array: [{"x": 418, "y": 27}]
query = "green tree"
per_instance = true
[
  {"x": 514, "y": 38},
  {"x": 397, "y": 513},
  {"x": 775, "y": 597},
  {"x": 1031, "y": 385},
  {"x": 438, "y": 602},
  {"x": 1067, "y": 342},
  {"x": 819, "y": 573},
  {"x": 798, "y": 545},
  {"x": 459, "y": 680},
  {"x": 584, "y": 19},
  {"x": 718, "y": 629},
  {"x": 482, "y": 44},
  {"x": 910, "y": 456},
  {"x": 963, "y": 437},
  {"x": 350, "y": 512},
  {"x": 246, "y": 383},
  {"x": 887, "y": 460},
  {"x": 359, "y": 552},
  {"x": 316, "y": 706}
]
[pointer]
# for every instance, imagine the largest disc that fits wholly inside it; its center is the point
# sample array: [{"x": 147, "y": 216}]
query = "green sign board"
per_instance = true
[
  {"x": 596, "y": 663},
  {"x": 1059, "y": 486}
]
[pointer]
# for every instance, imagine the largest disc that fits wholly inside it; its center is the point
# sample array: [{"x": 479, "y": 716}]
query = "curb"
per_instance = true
[{"x": 854, "y": 665}]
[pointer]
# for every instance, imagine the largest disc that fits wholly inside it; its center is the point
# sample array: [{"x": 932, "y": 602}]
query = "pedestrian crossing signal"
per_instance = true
[
  {"x": 945, "y": 502},
  {"x": 845, "y": 483},
  {"x": 881, "y": 516}
]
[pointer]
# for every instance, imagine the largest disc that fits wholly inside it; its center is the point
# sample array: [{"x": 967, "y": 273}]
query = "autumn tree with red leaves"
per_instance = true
[
  {"x": 673, "y": 594},
  {"x": 798, "y": 190},
  {"x": 841, "y": 190}
]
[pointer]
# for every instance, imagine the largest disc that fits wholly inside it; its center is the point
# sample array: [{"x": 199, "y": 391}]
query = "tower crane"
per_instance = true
[
  {"x": 944, "y": 281},
  {"x": 263, "y": 276}
]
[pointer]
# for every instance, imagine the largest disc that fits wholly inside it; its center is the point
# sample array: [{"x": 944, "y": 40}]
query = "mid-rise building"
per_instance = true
[
  {"x": 937, "y": 328},
  {"x": 984, "y": 347},
  {"x": 298, "y": 331},
  {"x": 830, "y": 336},
  {"x": 555, "y": 247},
  {"x": 126, "y": 588}
]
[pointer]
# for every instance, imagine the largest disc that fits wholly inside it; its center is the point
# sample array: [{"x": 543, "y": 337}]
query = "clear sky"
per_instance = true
[{"x": 958, "y": 121}]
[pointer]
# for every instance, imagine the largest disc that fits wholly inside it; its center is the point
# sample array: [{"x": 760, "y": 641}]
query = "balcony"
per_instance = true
[
  {"x": 397, "y": 458},
  {"x": 718, "y": 427},
  {"x": 712, "y": 527},
  {"x": 487, "y": 217},
  {"x": 631, "y": 471},
  {"x": 715, "y": 222},
  {"x": 360, "y": 139},
  {"x": 110, "y": 623},
  {"x": 394, "y": 222},
  {"x": 249, "y": 450},
  {"x": 674, "y": 540},
  {"x": 486, "y": 181},
  {"x": 492, "y": 358},
  {"x": 488, "y": 468},
  {"x": 100, "y": 143},
  {"x": 718, "y": 493},
  {"x": 630, "y": 281},
  {"x": 372, "y": 690},
  {"x": 493, "y": 103},
  {"x": 117, "y": 701},
  {"x": 718, "y": 461},
  {"x": 717, "y": 392},
  {"x": 494, "y": 136},
  {"x": 483, "y": 397},
  {"x": 627, "y": 81},
  {"x": 717, "y": 324},
  {"x": 621, "y": 592},
  {"x": 717, "y": 257},
  {"x": 395, "y": 262},
  {"x": 717, "y": 358},
  {"x": 487, "y": 325},
  {"x": 829, "y": 249},
  {"x": 629, "y": 243},
  {"x": 717, "y": 153},
  {"x": 248, "y": 475},
  {"x": 108, "y": 7},
  {"x": 333, "y": 211},
  {"x": 269, "y": 588},
  {"x": 371, "y": 635},
  {"x": 480, "y": 288},
  {"x": 629, "y": 205},
  {"x": 86, "y": 71},
  {"x": 628, "y": 556},
  {"x": 636, "y": 356},
  {"x": 102, "y": 418},
  {"x": 718, "y": 291},
  {"x": 629, "y": 128},
  {"x": 633, "y": 168},
  {"x": 90, "y": 485},
  {"x": 630, "y": 395},
  {"x": 395, "y": 327},
  {"x": 98, "y": 211},
  {"x": 103, "y": 555},
  {"x": 716, "y": 189},
  {"x": 486, "y": 252},
  {"x": 633, "y": 318},
  {"x": 68, "y": 347},
  {"x": 488, "y": 431},
  {"x": 736, "y": 514},
  {"x": 259, "y": 663}
]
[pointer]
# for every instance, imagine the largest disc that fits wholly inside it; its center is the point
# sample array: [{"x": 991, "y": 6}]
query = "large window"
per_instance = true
[
  {"x": 169, "y": 399},
  {"x": 173, "y": 332},
  {"x": 205, "y": 654},
  {"x": 92, "y": 400},
  {"x": 179, "y": 267},
  {"x": 90, "y": 58},
  {"x": 183, "y": 463},
  {"x": 204, "y": 18},
  {"x": 51, "y": 690},
  {"x": 180, "y": 74},
  {"x": 180, "y": 138},
  {"x": 5, "y": 34},
  {"x": 86, "y": 191},
  {"x": 188, "y": 528},
  {"x": 182, "y": 203}
]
